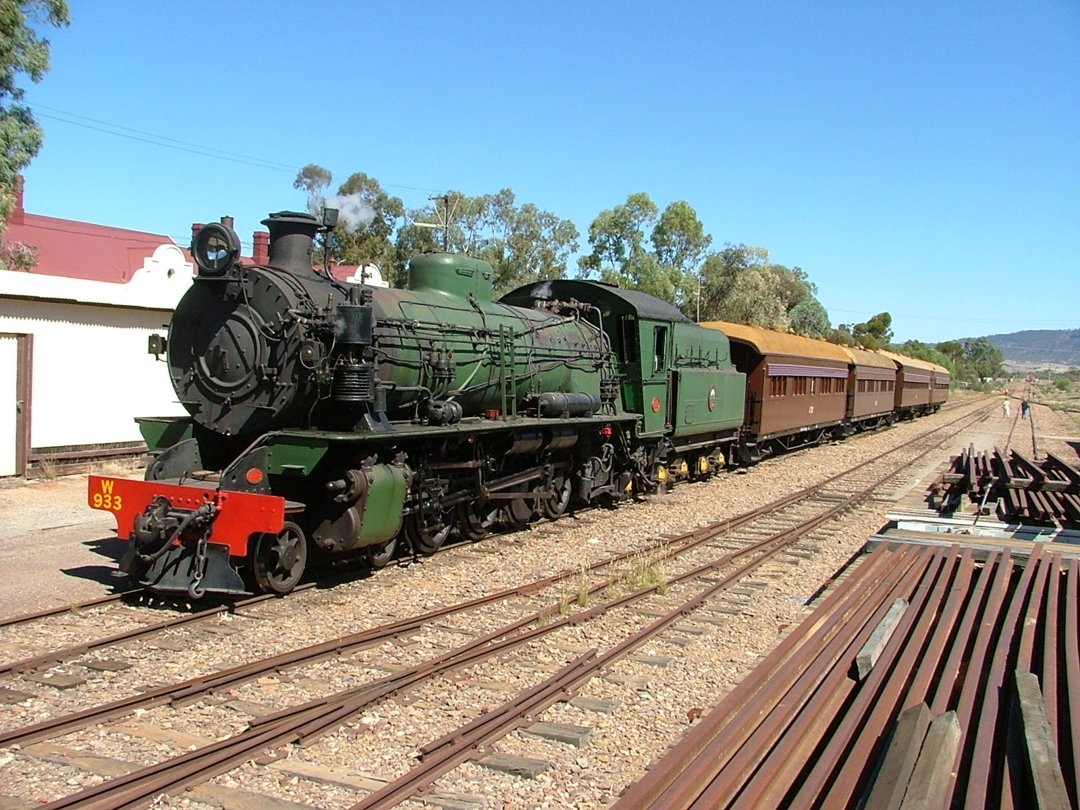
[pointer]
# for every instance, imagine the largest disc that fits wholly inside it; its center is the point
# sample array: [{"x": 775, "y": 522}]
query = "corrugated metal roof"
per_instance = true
[
  {"x": 646, "y": 306},
  {"x": 912, "y": 362},
  {"x": 865, "y": 357},
  {"x": 768, "y": 342},
  {"x": 82, "y": 250}
]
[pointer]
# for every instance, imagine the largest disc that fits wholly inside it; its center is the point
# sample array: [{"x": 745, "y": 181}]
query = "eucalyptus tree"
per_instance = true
[
  {"x": 523, "y": 243},
  {"x": 22, "y": 52},
  {"x": 621, "y": 238},
  {"x": 368, "y": 217}
]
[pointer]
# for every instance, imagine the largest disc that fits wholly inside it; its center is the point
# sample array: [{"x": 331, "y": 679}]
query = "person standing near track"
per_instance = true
[
  {"x": 1005, "y": 407},
  {"x": 1025, "y": 408}
]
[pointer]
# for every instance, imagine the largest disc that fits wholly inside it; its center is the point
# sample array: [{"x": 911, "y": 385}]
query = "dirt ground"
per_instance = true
[{"x": 54, "y": 549}]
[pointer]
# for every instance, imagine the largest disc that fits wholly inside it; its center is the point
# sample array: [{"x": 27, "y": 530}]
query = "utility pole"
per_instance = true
[
  {"x": 446, "y": 223},
  {"x": 443, "y": 216}
]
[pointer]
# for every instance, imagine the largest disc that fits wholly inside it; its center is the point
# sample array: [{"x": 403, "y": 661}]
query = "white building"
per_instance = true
[{"x": 74, "y": 329}]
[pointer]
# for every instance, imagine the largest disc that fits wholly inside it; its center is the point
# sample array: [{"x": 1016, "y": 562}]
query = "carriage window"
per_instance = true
[{"x": 659, "y": 348}]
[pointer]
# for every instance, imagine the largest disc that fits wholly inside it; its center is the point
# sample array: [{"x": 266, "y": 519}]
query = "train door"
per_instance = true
[
  {"x": 656, "y": 375},
  {"x": 14, "y": 403}
]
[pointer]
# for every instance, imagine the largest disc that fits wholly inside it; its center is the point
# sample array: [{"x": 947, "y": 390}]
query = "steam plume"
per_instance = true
[{"x": 353, "y": 211}]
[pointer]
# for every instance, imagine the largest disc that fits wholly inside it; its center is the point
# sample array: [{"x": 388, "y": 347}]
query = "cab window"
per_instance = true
[
  {"x": 659, "y": 348},
  {"x": 627, "y": 339}
]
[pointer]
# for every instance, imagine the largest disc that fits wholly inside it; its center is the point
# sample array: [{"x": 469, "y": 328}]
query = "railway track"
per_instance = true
[
  {"x": 179, "y": 617},
  {"x": 697, "y": 568}
]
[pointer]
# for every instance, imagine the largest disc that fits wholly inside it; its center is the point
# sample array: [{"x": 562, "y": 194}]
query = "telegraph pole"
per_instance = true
[{"x": 444, "y": 217}]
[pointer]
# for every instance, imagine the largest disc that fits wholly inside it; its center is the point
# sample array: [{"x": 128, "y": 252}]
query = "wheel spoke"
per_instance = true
[{"x": 279, "y": 560}]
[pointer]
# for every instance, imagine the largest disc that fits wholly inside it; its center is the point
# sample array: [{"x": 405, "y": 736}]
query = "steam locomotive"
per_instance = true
[{"x": 328, "y": 418}]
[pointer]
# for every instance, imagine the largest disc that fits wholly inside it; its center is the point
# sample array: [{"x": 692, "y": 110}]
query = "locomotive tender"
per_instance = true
[{"x": 328, "y": 418}]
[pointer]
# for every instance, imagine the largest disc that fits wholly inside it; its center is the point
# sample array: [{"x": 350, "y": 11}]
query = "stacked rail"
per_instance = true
[
  {"x": 1021, "y": 489},
  {"x": 925, "y": 679}
]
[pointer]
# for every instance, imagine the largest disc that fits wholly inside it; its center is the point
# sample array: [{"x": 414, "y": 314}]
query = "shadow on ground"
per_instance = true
[{"x": 112, "y": 549}]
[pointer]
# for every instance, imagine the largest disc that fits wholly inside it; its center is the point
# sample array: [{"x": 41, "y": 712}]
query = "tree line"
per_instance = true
[
  {"x": 666, "y": 253},
  {"x": 635, "y": 244}
]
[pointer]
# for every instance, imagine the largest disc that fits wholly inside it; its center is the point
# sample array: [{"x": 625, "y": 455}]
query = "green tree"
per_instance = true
[
  {"x": 621, "y": 237},
  {"x": 22, "y": 52},
  {"x": 679, "y": 239},
  {"x": 952, "y": 349},
  {"x": 984, "y": 358},
  {"x": 539, "y": 246},
  {"x": 522, "y": 243},
  {"x": 312, "y": 179},
  {"x": 918, "y": 349},
  {"x": 367, "y": 222},
  {"x": 809, "y": 317},
  {"x": 875, "y": 333},
  {"x": 841, "y": 336},
  {"x": 738, "y": 285},
  {"x": 961, "y": 368},
  {"x": 617, "y": 237}
]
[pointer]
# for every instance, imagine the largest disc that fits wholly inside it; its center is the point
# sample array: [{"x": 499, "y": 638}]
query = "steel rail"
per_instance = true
[
  {"x": 978, "y": 661},
  {"x": 878, "y": 695},
  {"x": 646, "y": 791},
  {"x": 720, "y": 732},
  {"x": 67, "y": 653},
  {"x": 946, "y": 625},
  {"x": 75, "y": 650},
  {"x": 1050, "y": 651},
  {"x": 1072, "y": 668},
  {"x": 1022, "y": 660},
  {"x": 803, "y": 717},
  {"x": 981, "y": 773},
  {"x": 74, "y": 607},
  {"x": 923, "y": 638},
  {"x": 815, "y": 743},
  {"x": 447, "y": 752},
  {"x": 309, "y": 721},
  {"x": 191, "y": 689},
  {"x": 303, "y": 724}
]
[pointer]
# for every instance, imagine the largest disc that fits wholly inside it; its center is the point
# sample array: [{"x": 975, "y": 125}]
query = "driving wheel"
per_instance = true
[{"x": 428, "y": 529}]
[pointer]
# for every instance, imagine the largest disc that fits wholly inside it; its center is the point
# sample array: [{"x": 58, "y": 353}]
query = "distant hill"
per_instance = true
[{"x": 1060, "y": 347}]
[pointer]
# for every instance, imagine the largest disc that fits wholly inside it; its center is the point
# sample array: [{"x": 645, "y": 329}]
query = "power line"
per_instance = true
[
  {"x": 165, "y": 142},
  {"x": 953, "y": 318}
]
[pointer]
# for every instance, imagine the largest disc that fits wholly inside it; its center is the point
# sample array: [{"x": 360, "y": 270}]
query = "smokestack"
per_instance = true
[
  {"x": 227, "y": 222},
  {"x": 260, "y": 254},
  {"x": 291, "y": 237},
  {"x": 195, "y": 228}
]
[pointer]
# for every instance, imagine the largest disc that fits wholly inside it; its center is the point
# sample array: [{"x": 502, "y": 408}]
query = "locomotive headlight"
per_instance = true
[{"x": 215, "y": 248}]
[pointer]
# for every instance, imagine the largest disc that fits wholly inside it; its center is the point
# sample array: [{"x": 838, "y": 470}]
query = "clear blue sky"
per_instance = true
[{"x": 916, "y": 157}]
